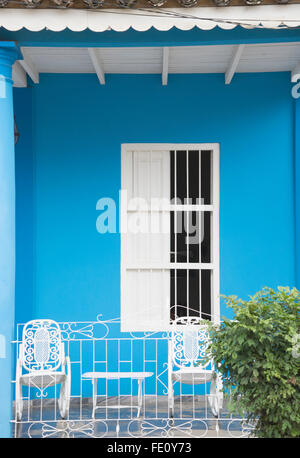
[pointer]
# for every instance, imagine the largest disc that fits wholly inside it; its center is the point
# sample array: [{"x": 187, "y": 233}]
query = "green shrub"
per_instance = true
[{"x": 259, "y": 360}]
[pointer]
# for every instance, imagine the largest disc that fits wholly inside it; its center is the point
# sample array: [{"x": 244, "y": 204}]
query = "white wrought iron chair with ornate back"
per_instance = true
[
  {"x": 42, "y": 355},
  {"x": 187, "y": 364}
]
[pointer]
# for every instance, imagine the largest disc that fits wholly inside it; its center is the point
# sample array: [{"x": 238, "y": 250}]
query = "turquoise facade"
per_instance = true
[
  {"x": 69, "y": 156},
  {"x": 78, "y": 127}
]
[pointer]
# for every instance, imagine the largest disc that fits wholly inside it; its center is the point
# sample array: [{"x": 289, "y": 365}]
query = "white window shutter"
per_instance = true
[{"x": 145, "y": 247}]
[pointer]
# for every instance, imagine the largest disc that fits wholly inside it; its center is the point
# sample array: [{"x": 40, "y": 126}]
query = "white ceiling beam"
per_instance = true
[
  {"x": 95, "y": 58},
  {"x": 165, "y": 66},
  {"x": 295, "y": 74},
  {"x": 19, "y": 75},
  {"x": 29, "y": 66},
  {"x": 234, "y": 62}
]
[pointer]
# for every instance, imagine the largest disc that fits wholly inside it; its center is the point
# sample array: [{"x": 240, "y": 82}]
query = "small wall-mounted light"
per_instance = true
[{"x": 16, "y": 132}]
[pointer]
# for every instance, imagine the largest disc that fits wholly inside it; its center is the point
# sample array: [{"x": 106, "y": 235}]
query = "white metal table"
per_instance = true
[{"x": 139, "y": 376}]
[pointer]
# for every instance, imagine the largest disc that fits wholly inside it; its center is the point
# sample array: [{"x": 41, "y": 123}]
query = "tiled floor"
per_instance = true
[{"x": 192, "y": 418}]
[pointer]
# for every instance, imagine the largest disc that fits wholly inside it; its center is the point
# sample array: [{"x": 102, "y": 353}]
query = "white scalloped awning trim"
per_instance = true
[{"x": 269, "y": 16}]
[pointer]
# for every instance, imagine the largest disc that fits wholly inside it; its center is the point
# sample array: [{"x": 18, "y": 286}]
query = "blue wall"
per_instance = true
[
  {"x": 78, "y": 127},
  {"x": 297, "y": 190},
  {"x": 69, "y": 156},
  {"x": 25, "y": 208}
]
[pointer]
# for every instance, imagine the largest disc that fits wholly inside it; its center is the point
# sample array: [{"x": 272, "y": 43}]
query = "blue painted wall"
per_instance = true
[
  {"x": 297, "y": 190},
  {"x": 25, "y": 207},
  {"x": 69, "y": 157},
  {"x": 78, "y": 127}
]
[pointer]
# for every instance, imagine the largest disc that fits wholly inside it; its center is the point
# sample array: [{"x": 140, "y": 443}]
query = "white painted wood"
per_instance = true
[
  {"x": 19, "y": 75},
  {"x": 29, "y": 66},
  {"x": 144, "y": 290},
  {"x": 295, "y": 74},
  {"x": 130, "y": 60},
  {"x": 269, "y": 57},
  {"x": 215, "y": 233},
  {"x": 234, "y": 62},
  {"x": 169, "y": 265},
  {"x": 165, "y": 66},
  {"x": 199, "y": 59},
  {"x": 269, "y": 16},
  {"x": 94, "y": 54},
  {"x": 145, "y": 258},
  {"x": 61, "y": 59},
  {"x": 260, "y": 57}
]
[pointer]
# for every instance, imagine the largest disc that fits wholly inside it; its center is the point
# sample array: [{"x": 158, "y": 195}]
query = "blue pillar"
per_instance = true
[{"x": 8, "y": 54}]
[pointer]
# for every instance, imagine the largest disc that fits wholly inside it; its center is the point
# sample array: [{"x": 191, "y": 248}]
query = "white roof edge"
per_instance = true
[{"x": 205, "y": 18}]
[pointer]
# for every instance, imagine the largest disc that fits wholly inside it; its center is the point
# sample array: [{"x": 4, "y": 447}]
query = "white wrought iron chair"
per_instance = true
[
  {"x": 187, "y": 346},
  {"x": 42, "y": 355}
]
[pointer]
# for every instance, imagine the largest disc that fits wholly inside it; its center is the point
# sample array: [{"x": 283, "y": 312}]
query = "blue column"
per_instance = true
[{"x": 8, "y": 54}]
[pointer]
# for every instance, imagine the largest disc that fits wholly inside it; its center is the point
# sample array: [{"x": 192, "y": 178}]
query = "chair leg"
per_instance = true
[
  {"x": 94, "y": 382},
  {"x": 215, "y": 398},
  {"x": 19, "y": 401},
  {"x": 171, "y": 400},
  {"x": 61, "y": 403},
  {"x": 64, "y": 397},
  {"x": 140, "y": 397}
]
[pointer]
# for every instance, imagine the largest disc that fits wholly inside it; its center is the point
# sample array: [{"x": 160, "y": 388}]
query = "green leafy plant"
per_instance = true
[{"x": 259, "y": 360}]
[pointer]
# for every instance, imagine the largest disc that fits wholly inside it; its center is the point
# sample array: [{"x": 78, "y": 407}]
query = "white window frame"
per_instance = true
[{"x": 214, "y": 207}]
